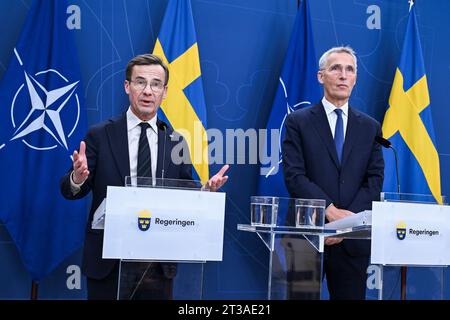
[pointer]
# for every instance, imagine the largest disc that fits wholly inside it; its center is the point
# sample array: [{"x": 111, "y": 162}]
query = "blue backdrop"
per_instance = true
[{"x": 242, "y": 44}]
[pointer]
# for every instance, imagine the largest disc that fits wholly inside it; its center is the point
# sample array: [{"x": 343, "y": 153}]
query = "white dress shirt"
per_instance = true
[
  {"x": 332, "y": 116},
  {"x": 134, "y": 132}
]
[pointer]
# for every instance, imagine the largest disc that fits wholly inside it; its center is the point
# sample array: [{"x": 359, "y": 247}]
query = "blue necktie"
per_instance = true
[{"x": 339, "y": 134}]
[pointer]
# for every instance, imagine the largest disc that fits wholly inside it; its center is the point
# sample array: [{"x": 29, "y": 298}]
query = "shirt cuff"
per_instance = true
[{"x": 74, "y": 187}]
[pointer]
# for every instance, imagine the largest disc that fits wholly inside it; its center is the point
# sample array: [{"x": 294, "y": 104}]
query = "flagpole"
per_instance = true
[
  {"x": 403, "y": 271},
  {"x": 34, "y": 290}
]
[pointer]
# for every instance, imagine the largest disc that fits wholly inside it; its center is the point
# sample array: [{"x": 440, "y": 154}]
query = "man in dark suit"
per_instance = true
[
  {"x": 330, "y": 153},
  {"x": 134, "y": 143}
]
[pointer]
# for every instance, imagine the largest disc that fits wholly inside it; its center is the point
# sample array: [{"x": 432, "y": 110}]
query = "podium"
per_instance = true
[
  {"x": 410, "y": 233},
  {"x": 406, "y": 230},
  {"x": 162, "y": 231},
  {"x": 293, "y": 231}
]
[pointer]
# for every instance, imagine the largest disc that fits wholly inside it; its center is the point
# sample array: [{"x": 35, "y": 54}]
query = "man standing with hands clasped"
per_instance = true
[
  {"x": 130, "y": 144},
  {"x": 330, "y": 153}
]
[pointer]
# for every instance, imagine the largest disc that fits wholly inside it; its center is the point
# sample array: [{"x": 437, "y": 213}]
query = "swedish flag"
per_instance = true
[
  {"x": 408, "y": 123},
  {"x": 184, "y": 106}
]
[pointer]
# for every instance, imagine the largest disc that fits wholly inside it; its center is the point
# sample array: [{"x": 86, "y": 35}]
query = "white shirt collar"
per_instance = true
[
  {"x": 329, "y": 107},
  {"x": 133, "y": 121}
]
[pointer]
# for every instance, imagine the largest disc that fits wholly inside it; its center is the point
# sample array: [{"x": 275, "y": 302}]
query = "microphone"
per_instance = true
[
  {"x": 388, "y": 145},
  {"x": 384, "y": 142},
  {"x": 163, "y": 126}
]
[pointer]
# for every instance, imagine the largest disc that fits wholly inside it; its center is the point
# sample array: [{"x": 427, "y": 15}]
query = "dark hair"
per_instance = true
[{"x": 143, "y": 60}]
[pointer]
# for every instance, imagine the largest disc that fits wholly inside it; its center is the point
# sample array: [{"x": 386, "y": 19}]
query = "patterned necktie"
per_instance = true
[
  {"x": 144, "y": 161},
  {"x": 339, "y": 134}
]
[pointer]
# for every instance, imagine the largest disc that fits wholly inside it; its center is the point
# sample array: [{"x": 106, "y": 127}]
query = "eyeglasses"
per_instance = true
[
  {"x": 339, "y": 69},
  {"x": 141, "y": 84}
]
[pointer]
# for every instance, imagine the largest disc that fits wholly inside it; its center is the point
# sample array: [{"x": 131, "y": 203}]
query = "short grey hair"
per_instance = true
[{"x": 343, "y": 49}]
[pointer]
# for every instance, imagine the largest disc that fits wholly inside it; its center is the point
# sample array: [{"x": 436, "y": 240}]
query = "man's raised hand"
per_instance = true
[{"x": 80, "y": 165}]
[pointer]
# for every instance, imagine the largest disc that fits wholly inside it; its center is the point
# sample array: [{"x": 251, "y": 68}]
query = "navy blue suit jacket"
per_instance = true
[
  {"x": 312, "y": 170},
  {"x": 108, "y": 161}
]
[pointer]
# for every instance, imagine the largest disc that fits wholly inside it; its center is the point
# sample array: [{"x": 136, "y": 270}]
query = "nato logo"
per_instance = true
[
  {"x": 47, "y": 109},
  {"x": 144, "y": 220},
  {"x": 401, "y": 230}
]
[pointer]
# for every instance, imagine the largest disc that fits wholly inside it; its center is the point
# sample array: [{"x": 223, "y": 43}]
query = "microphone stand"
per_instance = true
[
  {"x": 396, "y": 168},
  {"x": 169, "y": 268},
  {"x": 163, "y": 127},
  {"x": 403, "y": 269}
]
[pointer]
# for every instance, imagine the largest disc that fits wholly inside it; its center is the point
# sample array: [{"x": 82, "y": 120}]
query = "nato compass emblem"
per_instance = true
[
  {"x": 401, "y": 230},
  {"x": 289, "y": 110},
  {"x": 144, "y": 220},
  {"x": 48, "y": 108}
]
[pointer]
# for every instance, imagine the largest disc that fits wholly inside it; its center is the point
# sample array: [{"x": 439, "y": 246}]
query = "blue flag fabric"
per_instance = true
[
  {"x": 408, "y": 126},
  {"x": 42, "y": 120},
  {"x": 298, "y": 87},
  {"x": 184, "y": 106},
  {"x": 408, "y": 123}
]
